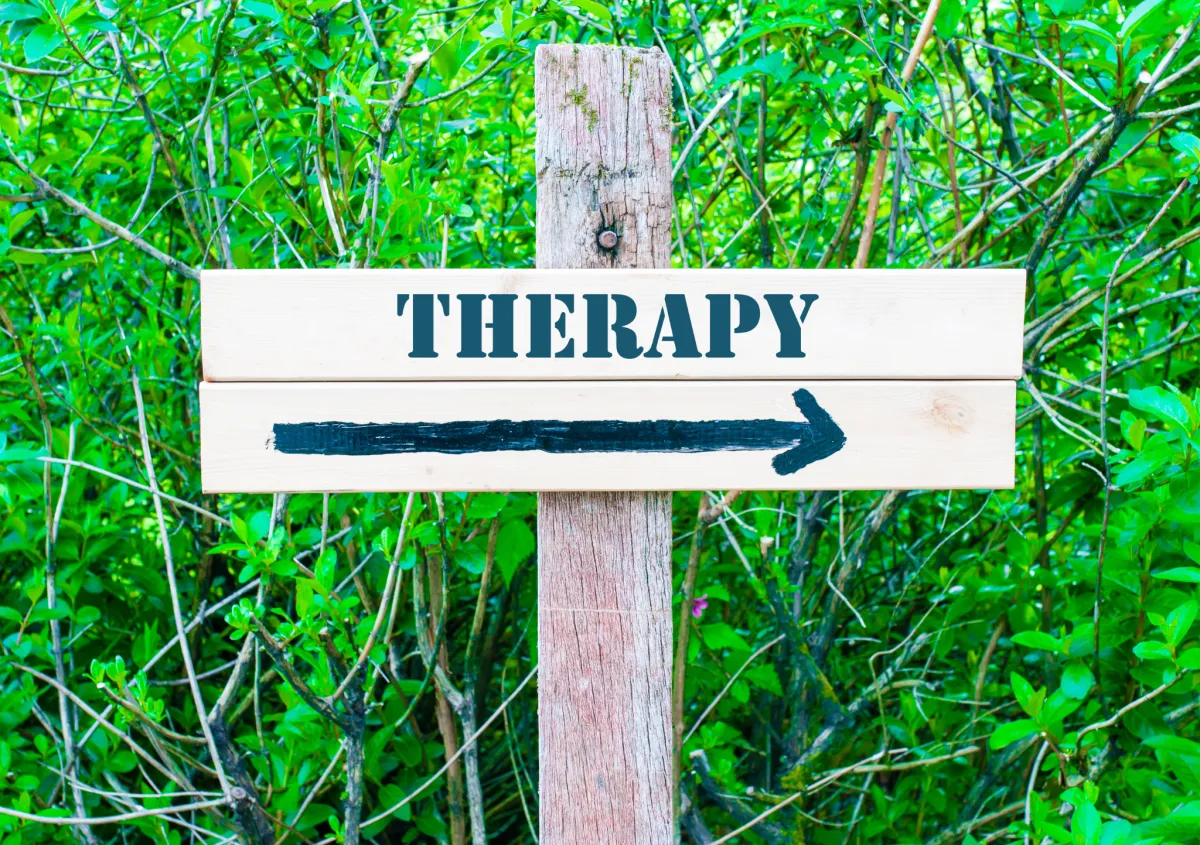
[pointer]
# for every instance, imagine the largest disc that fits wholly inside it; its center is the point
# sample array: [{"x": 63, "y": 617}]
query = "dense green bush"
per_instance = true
[{"x": 881, "y": 667}]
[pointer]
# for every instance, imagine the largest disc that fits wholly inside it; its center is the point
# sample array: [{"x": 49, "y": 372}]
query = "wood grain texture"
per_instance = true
[
  {"x": 603, "y": 159},
  {"x": 333, "y": 325},
  {"x": 899, "y": 434},
  {"x": 604, "y": 632}
]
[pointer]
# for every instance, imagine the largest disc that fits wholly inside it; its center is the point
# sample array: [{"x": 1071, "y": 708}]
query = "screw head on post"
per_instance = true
[{"x": 607, "y": 239}]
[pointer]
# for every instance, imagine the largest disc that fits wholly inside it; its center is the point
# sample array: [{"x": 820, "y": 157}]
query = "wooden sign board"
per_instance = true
[
  {"x": 434, "y": 325},
  {"x": 608, "y": 380}
]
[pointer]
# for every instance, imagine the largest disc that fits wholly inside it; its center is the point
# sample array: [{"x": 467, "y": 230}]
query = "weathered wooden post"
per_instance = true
[{"x": 604, "y": 199}]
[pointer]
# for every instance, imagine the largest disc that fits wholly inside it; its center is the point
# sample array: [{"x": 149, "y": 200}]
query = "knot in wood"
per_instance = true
[{"x": 607, "y": 239}]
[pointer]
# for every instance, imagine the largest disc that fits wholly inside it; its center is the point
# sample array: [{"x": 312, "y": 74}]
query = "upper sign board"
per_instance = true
[
  {"x": 330, "y": 380},
  {"x": 431, "y": 325}
]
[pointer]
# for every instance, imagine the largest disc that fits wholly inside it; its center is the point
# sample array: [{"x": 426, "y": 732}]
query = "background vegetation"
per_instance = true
[{"x": 867, "y": 667}]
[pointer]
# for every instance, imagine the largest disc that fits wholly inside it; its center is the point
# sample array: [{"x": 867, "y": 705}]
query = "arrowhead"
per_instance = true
[{"x": 822, "y": 437}]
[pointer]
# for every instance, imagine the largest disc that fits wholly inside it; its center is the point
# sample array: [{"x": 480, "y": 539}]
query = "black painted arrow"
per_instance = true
[{"x": 810, "y": 441}]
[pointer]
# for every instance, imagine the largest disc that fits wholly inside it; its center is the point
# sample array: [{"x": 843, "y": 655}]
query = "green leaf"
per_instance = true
[
  {"x": 1186, "y": 143},
  {"x": 284, "y": 568},
  {"x": 42, "y": 41},
  {"x": 1180, "y": 755},
  {"x": 1179, "y": 622},
  {"x": 446, "y": 60},
  {"x": 1162, "y": 404},
  {"x": 1037, "y": 639},
  {"x": 390, "y": 795},
  {"x": 1175, "y": 744},
  {"x": 514, "y": 544},
  {"x": 1135, "y": 17},
  {"x": 1189, "y": 659},
  {"x": 45, "y": 614},
  {"x": 242, "y": 165},
  {"x": 326, "y": 569},
  {"x": 1133, "y": 429},
  {"x": 1141, "y": 468},
  {"x": 1010, "y": 732},
  {"x": 486, "y": 505},
  {"x": 471, "y": 557},
  {"x": 1115, "y": 832},
  {"x": 1077, "y": 680},
  {"x": 1088, "y": 26},
  {"x": 1186, "y": 574},
  {"x": 1057, "y": 707},
  {"x": 764, "y": 677},
  {"x": 304, "y": 595},
  {"x": 19, "y": 12},
  {"x": 240, "y": 529},
  {"x": 1085, "y": 825},
  {"x": 719, "y": 635},
  {"x": 1030, "y": 701},
  {"x": 1152, "y": 650},
  {"x": 257, "y": 9},
  {"x": 596, "y": 10},
  {"x": 948, "y": 17},
  {"x": 1180, "y": 824}
]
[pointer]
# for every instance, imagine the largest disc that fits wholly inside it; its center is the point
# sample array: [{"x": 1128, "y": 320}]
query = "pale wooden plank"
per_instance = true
[
  {"x": 899, "y": 434},
  {"x": 604, "y": 690},
  {"x": 331, "y": 325}
]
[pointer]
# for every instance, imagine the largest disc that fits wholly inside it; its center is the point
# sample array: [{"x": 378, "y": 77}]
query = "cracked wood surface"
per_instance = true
[{"x": 603, "y": 158}]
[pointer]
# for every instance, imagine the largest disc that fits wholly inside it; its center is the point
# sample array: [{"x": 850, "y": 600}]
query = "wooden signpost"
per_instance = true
[
  {"x": 604, "y": 371},
  {"x": 609, "y": 379}
]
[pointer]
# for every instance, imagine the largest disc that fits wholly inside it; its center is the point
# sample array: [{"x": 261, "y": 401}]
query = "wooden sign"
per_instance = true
[
  {"x": 432, "y": 325},
  {"x": 608, "y": 380}
]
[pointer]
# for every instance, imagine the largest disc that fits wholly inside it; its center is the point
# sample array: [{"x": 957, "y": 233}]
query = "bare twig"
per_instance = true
[
  {"x": 885, "y": 140},
  {"x": 104, "y": 223}
]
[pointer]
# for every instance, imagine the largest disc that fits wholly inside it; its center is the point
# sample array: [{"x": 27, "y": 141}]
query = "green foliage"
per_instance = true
[{"x": 929, "y": 667}]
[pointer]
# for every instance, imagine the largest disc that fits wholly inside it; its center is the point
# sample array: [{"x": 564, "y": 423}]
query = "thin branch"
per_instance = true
[
  {"x": 172, "y": 585},
  {"x": 885, "y": 140},
  {"x": 104, "y": 223},
  {"x": 123, "y": 817},
  {"x": 183, "y": 503},
  {"x": 467, "y": 742}
]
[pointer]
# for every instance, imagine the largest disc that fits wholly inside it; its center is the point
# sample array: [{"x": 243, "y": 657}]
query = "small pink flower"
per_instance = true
[{"x": 699, "y": 605}]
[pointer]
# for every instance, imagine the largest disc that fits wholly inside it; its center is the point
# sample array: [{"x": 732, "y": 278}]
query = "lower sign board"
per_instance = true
[{"x": 607, "y": 435}]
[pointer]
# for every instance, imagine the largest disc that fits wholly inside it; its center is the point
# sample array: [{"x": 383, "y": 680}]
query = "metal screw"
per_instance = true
[{"x": 607, "y": 239}]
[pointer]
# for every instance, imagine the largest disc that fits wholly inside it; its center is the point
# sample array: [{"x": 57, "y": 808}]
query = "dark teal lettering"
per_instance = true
[
  {"x": 597, "y": 325},
  {"x": 502, "y": 325},
  {"x": 720, "y": 322},
  {"x": 540, "y": 323},
  {"x": 470, "y": 311},
  {"x": 785, "y": 319},
  {"x": 422, "y": 346},
  {"x": 676, "y": 311},
  {"x": 626, "y": 311}
]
